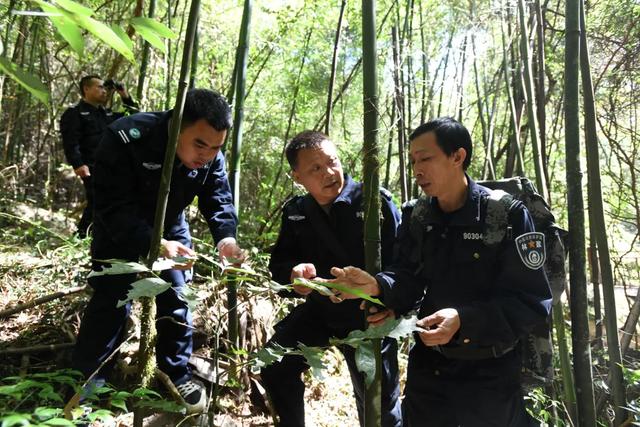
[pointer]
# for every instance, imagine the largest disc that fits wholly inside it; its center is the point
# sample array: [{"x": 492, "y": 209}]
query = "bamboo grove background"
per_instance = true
[{"x": 500, "y": 67}]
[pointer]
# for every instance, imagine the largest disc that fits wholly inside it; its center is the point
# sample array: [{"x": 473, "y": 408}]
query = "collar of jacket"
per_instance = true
[
  {"x": 468, "y": 214},
  {"x": 85, "y": 105},
  {"x": 350, "y": 190}
]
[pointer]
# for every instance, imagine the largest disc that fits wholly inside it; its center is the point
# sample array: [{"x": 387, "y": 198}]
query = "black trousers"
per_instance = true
[
  {"x": 441, "y": 392},
  {"x": 103, "y": 326},
  {"x": 283, "y": 381},
  {"x": 87, "y": 214}
]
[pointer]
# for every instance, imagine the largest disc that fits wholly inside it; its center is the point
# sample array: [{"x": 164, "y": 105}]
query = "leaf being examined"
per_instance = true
[
  {"x": 118, "y": 267},
  {"x": 149, "y": 287}
]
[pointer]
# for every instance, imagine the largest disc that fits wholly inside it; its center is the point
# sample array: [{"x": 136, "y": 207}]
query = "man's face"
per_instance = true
[
  {"x": 319, "y": 171},
  {"x": 433, "y": 169},
  {"x": 95, "y": 93},
  {"x": 199, "y": 143}
]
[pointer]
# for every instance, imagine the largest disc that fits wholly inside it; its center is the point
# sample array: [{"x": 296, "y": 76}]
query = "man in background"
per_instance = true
[{"x": 81, "y": 127}]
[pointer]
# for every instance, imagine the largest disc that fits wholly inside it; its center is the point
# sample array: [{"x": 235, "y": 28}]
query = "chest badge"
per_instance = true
[
  {"x": 134, "y": 133},
  {"x": 296, "y": 217},
  {"x": 151, "y": 166},
  {"x": 193, "y": 173},
  {"x": 531, "y": 249},
  {"x": 84, "y": 113},
  {"x": 360, "y": 214}
]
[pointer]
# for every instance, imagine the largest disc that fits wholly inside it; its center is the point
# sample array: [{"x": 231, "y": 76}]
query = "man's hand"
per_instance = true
[
  {"x": 82, "y": 171},
  {"x": 440, "y": 326},
  {"x": 377, "y": 315},
  {"x": 123, "y": 93},
  {"x": 305, "y": 271},
  {"x": 173, "y": 248},
  {"x": 353, "y": 277},
  {"x": 230, "y": 252}
]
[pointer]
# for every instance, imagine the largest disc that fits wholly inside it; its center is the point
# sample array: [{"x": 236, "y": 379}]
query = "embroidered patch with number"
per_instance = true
[
  {"x": 531, "y": 249},
  {"x": 296, "y": 217},
  {"x": 151, "y": 166}
]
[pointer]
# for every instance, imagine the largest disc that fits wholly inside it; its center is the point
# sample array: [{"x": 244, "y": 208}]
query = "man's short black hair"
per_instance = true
[
  {"x": 209, "y": 105},
  {"x": 85, "y": 82},
  {"x": 450, "y": 136},
  {"x": 303, "y": 140}
]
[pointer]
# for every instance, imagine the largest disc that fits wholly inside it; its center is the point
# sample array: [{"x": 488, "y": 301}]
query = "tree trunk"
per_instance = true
[
  {"x": 147, "y": 320},
  {"x": 236, "y": 149},
  {"x": 334, "y": 65},
  {"x": 599, "y": 225},
  {"x": 371, "y": 182},
  {"x": 399, "y": 101},
  {"x": 531, "y": 104},
  {"x": 575, "y": 204},
  {"x": 145, "y": 58}
]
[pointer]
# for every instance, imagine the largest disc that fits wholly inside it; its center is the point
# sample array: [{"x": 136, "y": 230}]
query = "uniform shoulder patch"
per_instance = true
[{"x": 531, "y": 248}]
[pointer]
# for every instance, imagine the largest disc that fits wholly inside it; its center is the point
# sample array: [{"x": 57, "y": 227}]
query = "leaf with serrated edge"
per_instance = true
[
  {"x": 149, "y": 287},
  {"x": 366, "y": 361},
  {"x": 118, "y": 267},
  {"x": 313, "y": 358}
]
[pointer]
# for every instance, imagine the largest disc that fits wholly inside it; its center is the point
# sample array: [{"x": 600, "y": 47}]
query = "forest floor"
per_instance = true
[{"x": 38, "y": 258}]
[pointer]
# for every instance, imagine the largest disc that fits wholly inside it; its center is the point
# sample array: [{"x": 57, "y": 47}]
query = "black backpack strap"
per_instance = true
[{"x": 325, "y": 233}]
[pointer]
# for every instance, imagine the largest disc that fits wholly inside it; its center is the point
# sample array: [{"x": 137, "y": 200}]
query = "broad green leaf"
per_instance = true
[
  {"x": 123, "y": 36},
  {"x": 16, "y": 420},
  {"x": 74, "y": 7},
  {"x": 58, "y": 422},
  {"x": 118, "y": 267},
  {"x": 65, "y": 25},
  {"x": 26, "y": 80},
  {"x": 120, "y": 404},
  {"x": 168, "y": 263},
  {"x": 150, "y": 36},
  {"x": 157, "y": 27},
  {"x": 404, "y": 327},
  {"x": 268, "y": 355},
  {"x": 161, "y": 405},
  {"x": 313, "y": 357},
  {"x": 149, "y": 287},
  {"x": 106, "y": 34},
  {"x": 101, "y": 415},
  {"x": 142, "y": 392},
  {"x": 44, "y": 413},
  {"x": 366, "y": 361}
]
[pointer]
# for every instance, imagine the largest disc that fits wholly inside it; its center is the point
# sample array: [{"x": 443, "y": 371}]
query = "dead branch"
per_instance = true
[{"x": 21, "y": 307}]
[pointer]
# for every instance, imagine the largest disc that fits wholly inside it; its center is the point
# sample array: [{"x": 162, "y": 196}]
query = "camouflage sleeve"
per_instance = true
[{"x": 521, "y": 298}]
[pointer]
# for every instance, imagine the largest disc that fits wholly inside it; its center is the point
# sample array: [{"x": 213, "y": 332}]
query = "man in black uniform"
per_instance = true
[
  {"x": 481, "y": 289},
  {"x": 81, "y": 127},
  {"x": 127, "y": 176},
  {"x": 319, "y": 230}
]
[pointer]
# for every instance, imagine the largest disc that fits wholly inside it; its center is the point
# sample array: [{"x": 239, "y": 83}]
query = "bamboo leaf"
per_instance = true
[
  {"x": 123, "y": 36},
  {"x": 106, "y": 34},
  {"x": 75, "y": 8},
  {"x": 65, "y": 25},
  {"x": 150, "y": 36},
  {"x": 157, "y": 27},
  {"x": 118, "y": 267},
  {"x": 321, "y": 287},
  {"x": 149, "y": 287},
  {"x": 26, "y": 80},
  {"x": 322, "y": 290}
]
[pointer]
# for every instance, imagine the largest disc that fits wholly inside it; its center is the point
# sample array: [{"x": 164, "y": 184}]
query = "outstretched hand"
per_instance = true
[
  {"x": 353, "y": 277},
  {"x": 439, "y": 327}
]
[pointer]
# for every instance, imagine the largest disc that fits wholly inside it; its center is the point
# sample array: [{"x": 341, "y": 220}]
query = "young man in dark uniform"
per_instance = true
[
  {"x": 81, "y": 127},
  {"x": 482, "y": 288},
  {"x": 319, "y": 230},
  {"x": 127, "y": 176}
]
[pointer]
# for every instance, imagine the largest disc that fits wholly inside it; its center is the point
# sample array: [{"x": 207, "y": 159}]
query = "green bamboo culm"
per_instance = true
[
  {"x": 575, "y": 207},
  {"x": 371, "y": 183},
  {"x": 236, "y": 146},
  {"x": 147, "y": 321},
  {"x": 599, "y": 228}
]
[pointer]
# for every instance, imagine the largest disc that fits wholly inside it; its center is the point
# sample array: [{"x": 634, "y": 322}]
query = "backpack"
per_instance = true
[{"x": 536, "y": 347}]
